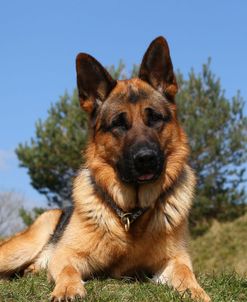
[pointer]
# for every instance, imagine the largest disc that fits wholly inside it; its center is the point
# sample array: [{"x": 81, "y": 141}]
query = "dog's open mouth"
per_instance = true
[{"x": 146, "y": 177}]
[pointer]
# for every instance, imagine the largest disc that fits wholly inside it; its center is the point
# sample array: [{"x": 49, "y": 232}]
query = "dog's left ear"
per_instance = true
[
  {"x": 93, "y": 81},
  {"x": 156, "y": 68}
]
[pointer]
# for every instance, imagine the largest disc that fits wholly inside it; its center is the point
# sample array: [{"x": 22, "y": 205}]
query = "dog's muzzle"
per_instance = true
[{"x": 141, "y": 164}]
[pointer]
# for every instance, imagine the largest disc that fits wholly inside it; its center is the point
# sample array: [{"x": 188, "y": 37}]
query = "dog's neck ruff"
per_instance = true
[
  {"x": 173, "y": 203},
  {"x": 127, "y": 218}
]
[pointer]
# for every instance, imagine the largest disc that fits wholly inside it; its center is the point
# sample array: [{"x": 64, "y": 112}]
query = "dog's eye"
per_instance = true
[
  {"x": 120, "y": 122},
  {"x": 153, "y": 118}
]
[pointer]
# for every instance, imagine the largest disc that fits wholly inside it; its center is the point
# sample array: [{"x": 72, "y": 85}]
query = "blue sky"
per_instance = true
[{"x": 40, "y": 39}]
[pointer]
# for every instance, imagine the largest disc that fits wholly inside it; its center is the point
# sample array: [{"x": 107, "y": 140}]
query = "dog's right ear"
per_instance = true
[
  {"x": 93, "y": 81},
  {"x": 157, "y": 70}
]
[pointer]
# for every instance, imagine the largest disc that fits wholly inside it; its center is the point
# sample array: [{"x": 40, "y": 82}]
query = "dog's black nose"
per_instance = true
[{"x": 145, "y": 160}]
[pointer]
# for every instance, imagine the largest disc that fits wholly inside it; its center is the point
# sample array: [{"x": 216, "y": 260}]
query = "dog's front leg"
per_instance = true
[
  {"x": 178, "y": 274},
  {"x": 64, "y": 270}
]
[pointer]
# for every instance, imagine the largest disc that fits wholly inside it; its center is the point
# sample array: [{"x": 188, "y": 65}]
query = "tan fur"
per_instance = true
[
  {"x": 96, "y": 241},
  {"x": 20, "y": 251}
]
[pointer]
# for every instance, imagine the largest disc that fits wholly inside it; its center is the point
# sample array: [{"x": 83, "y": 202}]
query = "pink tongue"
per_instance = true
[{"x": 146, "y": 177}]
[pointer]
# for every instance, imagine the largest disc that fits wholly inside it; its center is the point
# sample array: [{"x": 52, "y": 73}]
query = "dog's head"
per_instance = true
[{"x": 133, "y": 123}]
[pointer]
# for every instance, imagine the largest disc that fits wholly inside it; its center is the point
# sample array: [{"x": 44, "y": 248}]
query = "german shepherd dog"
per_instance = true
[{"x": 132, "y": 197}]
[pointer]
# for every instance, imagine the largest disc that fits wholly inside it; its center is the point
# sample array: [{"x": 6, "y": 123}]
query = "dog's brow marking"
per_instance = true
[{"x": 135, "y": 94}]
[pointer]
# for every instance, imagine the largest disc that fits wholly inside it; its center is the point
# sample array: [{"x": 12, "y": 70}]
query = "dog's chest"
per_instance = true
[{"x": 124, "y": 258}]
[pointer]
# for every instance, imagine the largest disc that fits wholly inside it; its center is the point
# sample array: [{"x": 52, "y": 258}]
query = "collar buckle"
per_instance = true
[{"x": 126, "y": 219}]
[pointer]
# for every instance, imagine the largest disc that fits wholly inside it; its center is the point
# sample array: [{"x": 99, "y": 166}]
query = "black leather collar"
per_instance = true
[{"x": 127, "y": 218}]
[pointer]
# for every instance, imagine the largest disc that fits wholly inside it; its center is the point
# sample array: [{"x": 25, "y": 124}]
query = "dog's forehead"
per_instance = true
[{"x": 133, "y": 91}]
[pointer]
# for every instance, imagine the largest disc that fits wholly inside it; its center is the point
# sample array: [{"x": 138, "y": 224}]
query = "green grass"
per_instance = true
[
  {"x": 222, "y": 249},
  {"x": 227, "y": 287}
]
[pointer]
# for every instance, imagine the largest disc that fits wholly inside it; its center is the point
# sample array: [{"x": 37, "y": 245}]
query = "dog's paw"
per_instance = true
[
  {"x": 199, "y": 295},
  {"x": 31, "y": 269},
  {"x": 68, "y": 292}
]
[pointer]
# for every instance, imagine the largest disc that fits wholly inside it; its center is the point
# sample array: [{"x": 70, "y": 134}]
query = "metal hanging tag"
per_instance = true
[{"x": 126, "y": 221}]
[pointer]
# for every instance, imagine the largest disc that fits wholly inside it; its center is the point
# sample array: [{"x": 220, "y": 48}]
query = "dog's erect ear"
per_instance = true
[
  {"x": 93, "y": 81},
  {"x": 156, "y": 68}
]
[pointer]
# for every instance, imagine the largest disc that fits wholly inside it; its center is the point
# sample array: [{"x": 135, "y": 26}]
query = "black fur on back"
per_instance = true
[{"x": 62, "y": 224}]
